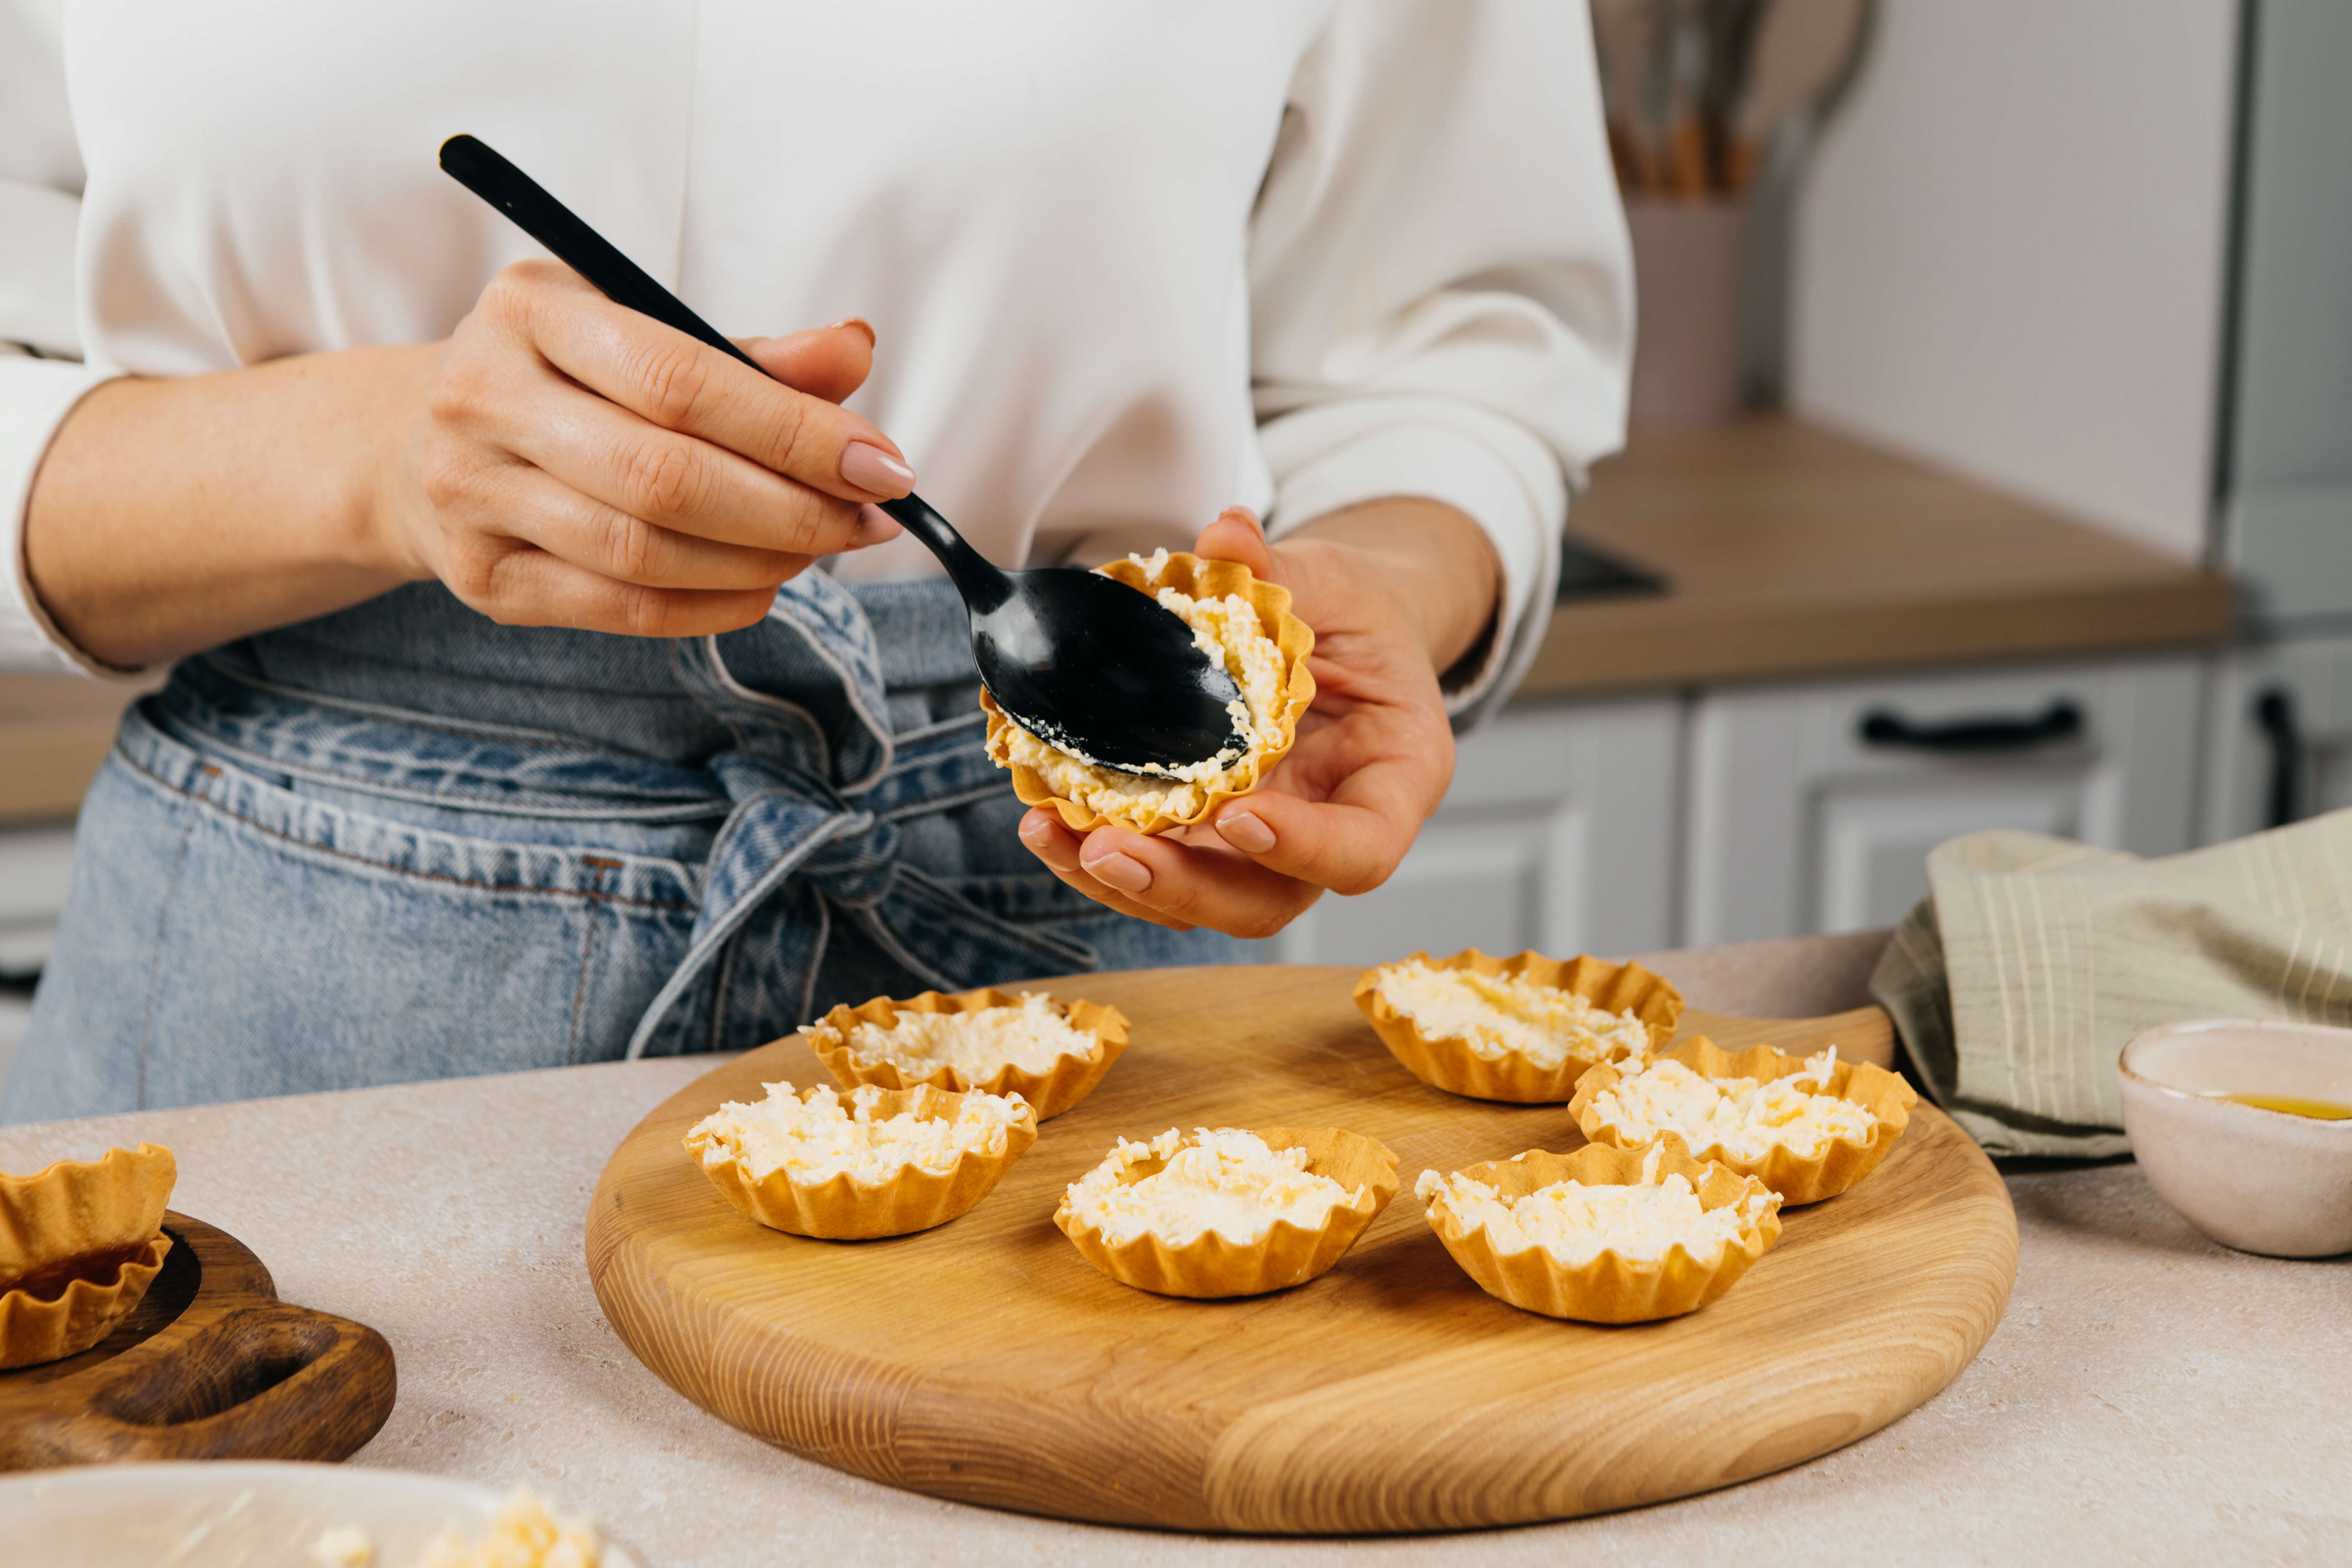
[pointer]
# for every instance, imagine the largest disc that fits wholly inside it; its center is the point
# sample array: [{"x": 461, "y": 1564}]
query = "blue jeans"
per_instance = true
[{"x": 404, "y": 842}]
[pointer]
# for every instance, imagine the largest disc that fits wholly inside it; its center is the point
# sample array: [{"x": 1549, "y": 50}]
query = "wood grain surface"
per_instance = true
[
  {"x": 210, "y": 1365},
  {"x": 986, "y": 1362},
  {"x": 1793, "y": 551}
]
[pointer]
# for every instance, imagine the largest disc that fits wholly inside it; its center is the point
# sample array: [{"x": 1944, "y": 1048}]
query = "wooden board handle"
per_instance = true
[{"x": 265, "y": 1380}]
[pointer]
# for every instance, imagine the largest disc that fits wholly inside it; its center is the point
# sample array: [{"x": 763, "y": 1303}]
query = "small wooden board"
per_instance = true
[
  {"x": 985, "y": 1361},
  {"x": 209, "y": 1365}
]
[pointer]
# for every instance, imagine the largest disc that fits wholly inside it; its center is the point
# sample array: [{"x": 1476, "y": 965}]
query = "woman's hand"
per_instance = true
[
  {"x": 560, "y": 460},
  {"x": 575, "y": 463},
  {"x": 1395, "y": 592}
]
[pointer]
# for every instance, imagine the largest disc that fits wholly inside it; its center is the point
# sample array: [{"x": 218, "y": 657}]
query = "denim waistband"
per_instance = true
[
  {"x": 825, "y": 647},
  {"x": 810, "y": 740}
]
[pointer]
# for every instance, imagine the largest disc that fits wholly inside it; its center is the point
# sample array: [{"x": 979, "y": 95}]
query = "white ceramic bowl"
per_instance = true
[
  {"x": 232, "y": 1514},
  {"x": 2260, "y": 1181}
]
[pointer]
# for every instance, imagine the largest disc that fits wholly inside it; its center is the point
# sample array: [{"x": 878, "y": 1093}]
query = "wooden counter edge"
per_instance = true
[{"x": 1632, "y": 645}]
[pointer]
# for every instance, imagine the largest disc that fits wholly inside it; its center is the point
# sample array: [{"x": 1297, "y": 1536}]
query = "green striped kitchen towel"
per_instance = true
[{"x": 2016, "y": 985}]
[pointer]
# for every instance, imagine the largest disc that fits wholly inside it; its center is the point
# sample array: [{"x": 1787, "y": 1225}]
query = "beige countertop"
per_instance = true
[{"x": 2149, "y": 1397}]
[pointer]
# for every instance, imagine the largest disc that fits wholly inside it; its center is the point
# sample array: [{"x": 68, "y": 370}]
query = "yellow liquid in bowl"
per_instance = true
[{"x": 2296, "y": 1105}]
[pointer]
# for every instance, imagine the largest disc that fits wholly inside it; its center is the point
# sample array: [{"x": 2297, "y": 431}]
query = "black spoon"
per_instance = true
[{"x": 1079, "y": 661}]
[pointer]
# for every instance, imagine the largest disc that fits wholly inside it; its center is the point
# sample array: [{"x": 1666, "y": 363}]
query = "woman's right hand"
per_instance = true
[
  {"x": 558, "y": 461},
  {"x": 571, "y": 462}
]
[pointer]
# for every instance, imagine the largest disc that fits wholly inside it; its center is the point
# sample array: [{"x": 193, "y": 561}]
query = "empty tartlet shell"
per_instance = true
[
  {"x": 109, "y": 1210},
  {"x": 1799, "y": 1179},
  {"x": 43, "y": 1326},
  {"x": 844, "y": 1209},
  {"x": 78, "y": 1208},
  {"x": 1609, "y": 1289},
  {"x": 1069, "y": 1080},
  {"x": 1451, "y": 1065},
  {"x": 1210, "y": 1265},
  {"x": 1200, "y": 579}
]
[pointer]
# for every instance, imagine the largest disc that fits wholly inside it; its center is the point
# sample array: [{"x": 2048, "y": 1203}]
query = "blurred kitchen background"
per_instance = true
[{"x": 1992, "y": 467}]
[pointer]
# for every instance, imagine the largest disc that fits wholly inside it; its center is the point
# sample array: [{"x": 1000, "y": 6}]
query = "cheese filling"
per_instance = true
[
  {"x": 828, "y": 1136},
  {"x": 1743, "y": 1118},
  {"x": 1032, "y": 1036},
  {"x": 1504, "y": 1014},
  {"x": 1576, "y": 1224},
  {"x": 1227, "y": 631},
  {"x": 1226, "y": 1180},
  {"x": 524, "y": 1534}
]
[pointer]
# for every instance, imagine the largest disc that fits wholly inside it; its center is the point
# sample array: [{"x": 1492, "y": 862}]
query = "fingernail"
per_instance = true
[
  {"x": 1036, "y": 831},
  {"x": 1124, "y": 872},
  {"x": 860, "y": 323},
  {"x": 869, "y": 467},
  {"x": 875, "y": 526},
  {"x": 1247, "y": 832},
  {"x": 1241, "y": 514}
]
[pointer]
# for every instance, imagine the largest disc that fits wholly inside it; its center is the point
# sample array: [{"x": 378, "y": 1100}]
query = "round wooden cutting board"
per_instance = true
[{"x": 986, "y": 1362}]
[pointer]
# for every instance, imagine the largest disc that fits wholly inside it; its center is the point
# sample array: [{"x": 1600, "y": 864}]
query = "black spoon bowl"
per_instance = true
[{"x": 1081, "y": 662}]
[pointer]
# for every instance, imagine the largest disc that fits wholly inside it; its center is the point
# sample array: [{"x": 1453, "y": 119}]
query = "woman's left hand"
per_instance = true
[{"x": 1388, "y": 588}]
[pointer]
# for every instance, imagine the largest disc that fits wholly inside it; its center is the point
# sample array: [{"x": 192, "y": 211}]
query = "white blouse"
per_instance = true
[{"x": 1130, "y": 263}]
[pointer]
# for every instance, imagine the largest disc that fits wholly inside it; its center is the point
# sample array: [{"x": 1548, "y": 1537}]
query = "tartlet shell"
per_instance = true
[
  {"x": 1451, "y": 1065},
  {"x": 1211, "y": 1267},
  {"x": 1609, "y": 1289},
  {"x": 33, "y": 1330},
  {"x": 1069, "y": 1080},
  {"x": 1799, "y": 1179},
  {"x": 843, "y": 1209},
  {"x": 1189, "y": 575},
  {"x": 77, "y": 1208}
]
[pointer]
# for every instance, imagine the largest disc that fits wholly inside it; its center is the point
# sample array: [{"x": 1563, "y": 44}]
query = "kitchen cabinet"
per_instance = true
[
  {"x": 1812, "y": 808},
  {"x": 36, "y": 864},
  {"x": 2282, "y": 728},
  {"x": 1558, "y": 834}
]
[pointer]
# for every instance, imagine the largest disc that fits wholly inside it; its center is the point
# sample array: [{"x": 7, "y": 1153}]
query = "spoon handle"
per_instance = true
[{"x": 479, "y": 167}]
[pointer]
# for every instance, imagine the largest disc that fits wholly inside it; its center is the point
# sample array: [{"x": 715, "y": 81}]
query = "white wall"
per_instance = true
[{"x": 2009, "y": 251}]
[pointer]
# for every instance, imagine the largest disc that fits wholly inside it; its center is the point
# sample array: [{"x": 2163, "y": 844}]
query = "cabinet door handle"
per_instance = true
[
  {"x": 2275, "y": 713},
  {"x": 2061, "y": 720}
]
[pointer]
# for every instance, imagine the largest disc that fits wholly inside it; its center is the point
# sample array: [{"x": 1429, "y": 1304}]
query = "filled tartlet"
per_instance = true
[
  {"x": 1050, "y": 1052},
  {"x": 872, "y": 1163},
  {"x": 1227, "y": 1212},
  {"x": 80, "y": 1244},
  {"x": 1522, "y": 1029},
  {"x": 1244, "y": 625},
  {"x": 1604, "y": 1235},
  {"x": 1810, "y": 1127}
]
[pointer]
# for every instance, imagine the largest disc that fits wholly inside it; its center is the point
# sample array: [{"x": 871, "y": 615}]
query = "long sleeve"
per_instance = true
[
  {"x": 40, "y": 179},
  {"x": 1441, "y": 285}
]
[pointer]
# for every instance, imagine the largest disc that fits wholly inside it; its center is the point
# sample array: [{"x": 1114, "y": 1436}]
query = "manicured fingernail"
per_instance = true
[
  {"x": 860, "y": 323},
  {"x": 1246, "y": 832},
  {"x": 869, "y": 467},
  {"x": 1124, "y": 872},
  {"x": 1036, "y": 832},
  {"x": 875, "y": 526},
  {"x": 1240, "y": 514}
]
